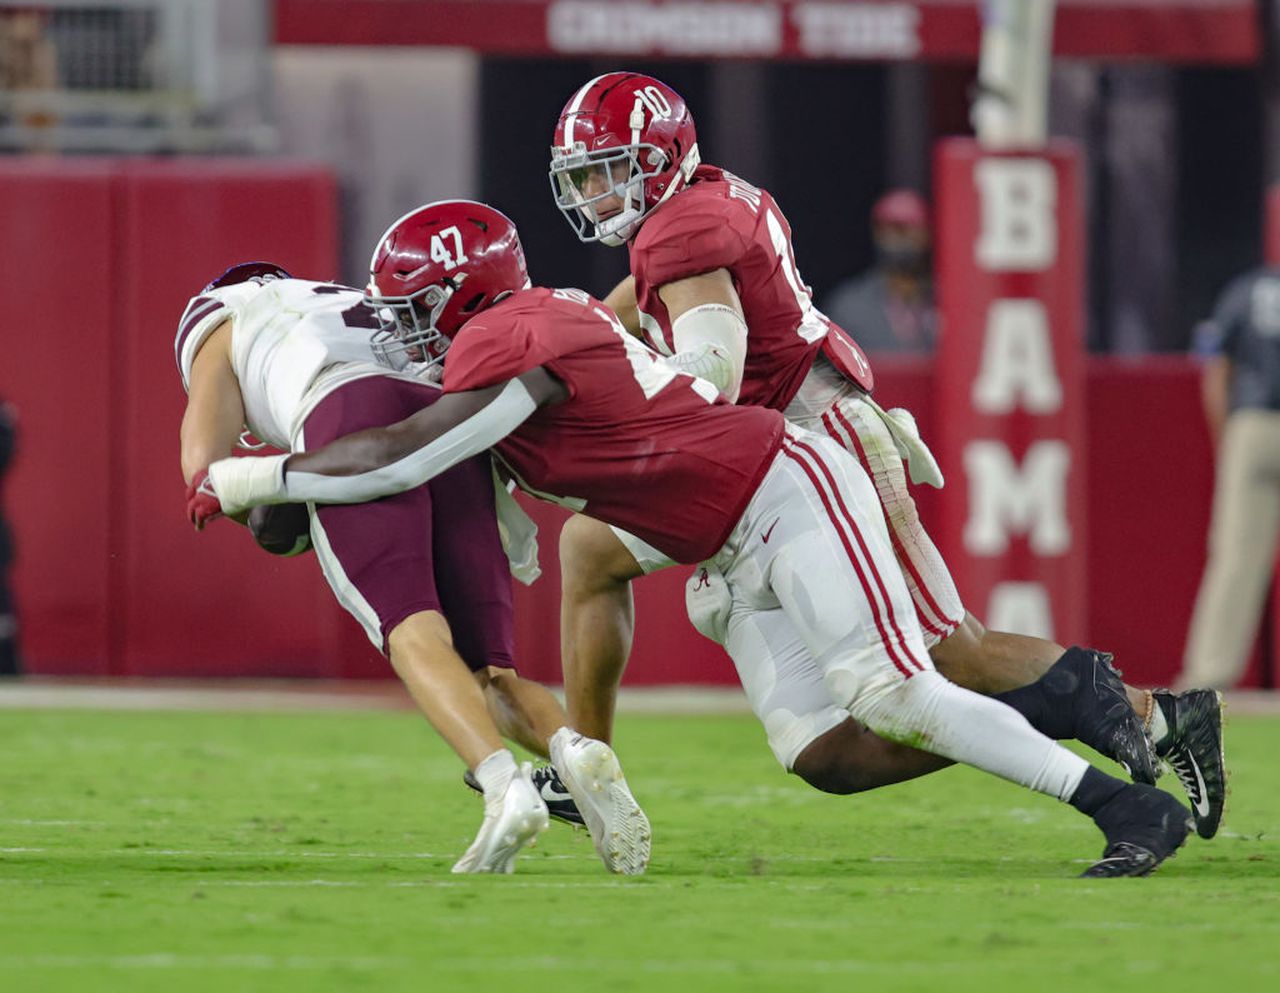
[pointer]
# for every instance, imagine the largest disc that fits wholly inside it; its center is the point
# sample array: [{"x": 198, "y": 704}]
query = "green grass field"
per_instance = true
[{"x": 282, "y": 852}]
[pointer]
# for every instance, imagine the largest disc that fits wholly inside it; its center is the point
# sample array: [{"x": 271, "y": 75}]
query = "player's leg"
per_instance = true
[
  {"x": 808, "y": 734},
  {"x": 378, "y": 560},
  {"x": 421, "y": 652},
  {"x": 830, "y": 566},
  {"x": 995, "y": 662},
  {"x": 527, "y": 713},
  {"x": 858, "y": 427},
  {"x": 474, "y": 579},
  {"x": 1074, "y": 693},
  {"x": 962, "y": 649},
  {"x": 992, "y": 662},
  {"x": 524, "y": 710},
  {"x": 473, "y": 576},
  {"x": 586, "y": 768},
  {"x": 597, "y": 621},
  {"x": 400, "y": 610}
]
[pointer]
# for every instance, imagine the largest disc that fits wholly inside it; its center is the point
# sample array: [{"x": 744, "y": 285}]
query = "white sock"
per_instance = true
[
  {"x": 495, "y": 772},
  {"x": 561, "y": 736},
  {"x": 929, "y": 712},
  {"x": 1159, "y": 726}
]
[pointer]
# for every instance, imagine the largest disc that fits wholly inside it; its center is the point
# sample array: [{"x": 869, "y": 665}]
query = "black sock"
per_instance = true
[
  {"x": 1049, "y": 704},
  {"x": 1095, "y": 789}
]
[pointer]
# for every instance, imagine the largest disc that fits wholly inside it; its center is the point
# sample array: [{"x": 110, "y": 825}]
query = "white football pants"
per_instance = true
[{"x": 820, "y": 609}]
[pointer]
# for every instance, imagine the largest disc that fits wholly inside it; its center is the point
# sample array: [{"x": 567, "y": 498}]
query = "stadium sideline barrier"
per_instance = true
[{"x": 101, "y": 256}]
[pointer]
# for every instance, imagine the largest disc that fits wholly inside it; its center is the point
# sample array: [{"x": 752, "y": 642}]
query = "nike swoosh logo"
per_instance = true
[
  {"x": 765, "y": 537},
  {"x": 550, "y": 794},
  {"x": 1201, "y": 800}
]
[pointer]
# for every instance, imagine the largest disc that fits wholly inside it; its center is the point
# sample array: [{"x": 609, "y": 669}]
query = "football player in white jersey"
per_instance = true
[{"x": 299, "y": 363}]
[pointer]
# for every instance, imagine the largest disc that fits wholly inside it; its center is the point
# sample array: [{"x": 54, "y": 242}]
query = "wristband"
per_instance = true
[{"x": 242, "y": 483}]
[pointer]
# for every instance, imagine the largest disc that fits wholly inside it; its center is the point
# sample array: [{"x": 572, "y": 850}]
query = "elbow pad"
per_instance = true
[{"x": 711, "y": 343}]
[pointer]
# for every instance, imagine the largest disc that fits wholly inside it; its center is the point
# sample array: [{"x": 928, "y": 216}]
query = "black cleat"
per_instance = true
[
  {"x": 1193, "y": 749},
  {"x": 1102, "y": 717},
  {"x": 1122, "y": 859},
  {"x": 1144, "y": 826},
  {"x": 546, "y": 781}
]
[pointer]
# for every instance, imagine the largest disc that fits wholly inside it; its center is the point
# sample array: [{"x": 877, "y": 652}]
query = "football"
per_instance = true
[{"x": 281, "y": 529}]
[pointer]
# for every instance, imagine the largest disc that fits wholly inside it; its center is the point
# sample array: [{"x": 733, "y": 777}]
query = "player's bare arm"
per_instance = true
[
  {"x": 380, "y": 462},
  {"x": 214, "y": 417},
  {"x": 622, "y": 301},
  {"x": 709, "y": 329}
]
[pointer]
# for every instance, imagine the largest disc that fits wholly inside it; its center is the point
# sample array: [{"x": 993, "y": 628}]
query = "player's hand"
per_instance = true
[{"x": 203, "y": 504}]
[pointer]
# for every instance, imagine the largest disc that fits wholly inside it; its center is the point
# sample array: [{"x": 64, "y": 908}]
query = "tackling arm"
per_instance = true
[
  {"x": 709, "y": 329},
  {"x": 383, "y": 461}
]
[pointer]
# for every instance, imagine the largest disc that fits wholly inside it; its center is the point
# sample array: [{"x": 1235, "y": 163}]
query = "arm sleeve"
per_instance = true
[
  {"x": 477, "y": 433},
  {"x": 711, "y": 342},
  {"x": 242, "y": 483}
]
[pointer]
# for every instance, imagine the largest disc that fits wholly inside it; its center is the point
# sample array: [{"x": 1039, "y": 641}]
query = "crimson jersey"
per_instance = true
[
  {"x": 722, "y": 222},
  {"x": 637, "y": 444}
]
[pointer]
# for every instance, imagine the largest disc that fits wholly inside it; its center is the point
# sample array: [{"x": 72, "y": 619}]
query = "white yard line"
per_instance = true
[
  {"x": 302, "y": 695},
  {"x": 170, "y": 960}
]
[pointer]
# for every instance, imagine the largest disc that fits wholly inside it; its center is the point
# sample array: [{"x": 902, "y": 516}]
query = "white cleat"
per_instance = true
[
  {"x": 510, "y": 823},
  {"x": 590, "y": 771}
]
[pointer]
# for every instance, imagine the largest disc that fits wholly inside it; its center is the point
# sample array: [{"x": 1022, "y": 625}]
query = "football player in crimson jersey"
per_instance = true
[
  {"x": 423, "y": 572},
  {"x": 812, "y": 606},
  {"x": 715, "y": 288}
]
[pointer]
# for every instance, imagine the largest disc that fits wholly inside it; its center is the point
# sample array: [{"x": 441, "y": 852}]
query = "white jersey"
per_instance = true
[{"x": 292, "y": 343}]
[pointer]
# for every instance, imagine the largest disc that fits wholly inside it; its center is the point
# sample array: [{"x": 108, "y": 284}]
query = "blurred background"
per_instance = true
[{"x": 147, "y": 144}]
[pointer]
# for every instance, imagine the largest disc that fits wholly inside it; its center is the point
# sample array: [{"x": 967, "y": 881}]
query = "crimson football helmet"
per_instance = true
[
  {"x": 435, "y": 269},
  {"x": 623, "y": 136}
]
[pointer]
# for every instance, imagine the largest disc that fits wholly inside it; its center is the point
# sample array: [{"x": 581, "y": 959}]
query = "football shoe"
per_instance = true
[
  {"x": 619, "y": 828},
  {"x": 512, "y": 820},
  {"x": 546, "y": 781},
  {"x": 1143, "y": 826},
  {"x": 1193, "y": 750},
  {"x": 1102, "y": 717}
]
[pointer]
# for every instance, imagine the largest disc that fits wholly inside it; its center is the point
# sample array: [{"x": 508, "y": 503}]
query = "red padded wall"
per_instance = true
[
  {"x": 1150, "y": 482},
  {"x": 181, "y": 223},
  {"x": 100, "y": 257},
  {"x": 57, "y": 284}
]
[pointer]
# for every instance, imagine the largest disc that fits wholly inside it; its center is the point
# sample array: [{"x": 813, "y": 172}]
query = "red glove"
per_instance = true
[{"x": 203, "y": 504}]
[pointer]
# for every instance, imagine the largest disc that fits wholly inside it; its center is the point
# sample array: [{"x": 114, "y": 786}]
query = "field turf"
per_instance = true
[{"x": 225, "y": 852}]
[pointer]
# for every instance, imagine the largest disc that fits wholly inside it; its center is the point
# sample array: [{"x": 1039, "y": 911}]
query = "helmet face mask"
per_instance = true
[
  {"x": 624, "y": 144},
  {"x": 409, "y": 332},
  {"x": 583, "y": 183}
]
